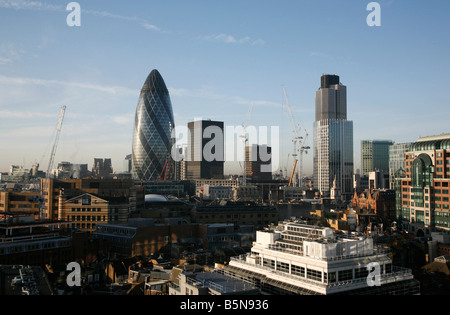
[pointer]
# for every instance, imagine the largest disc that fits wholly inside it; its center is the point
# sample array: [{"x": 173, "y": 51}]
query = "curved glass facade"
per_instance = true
[{"x": 152, "y": 135}]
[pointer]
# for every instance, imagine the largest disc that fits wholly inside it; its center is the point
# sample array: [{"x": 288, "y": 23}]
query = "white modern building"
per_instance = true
[{"x": 300, "y": 259}]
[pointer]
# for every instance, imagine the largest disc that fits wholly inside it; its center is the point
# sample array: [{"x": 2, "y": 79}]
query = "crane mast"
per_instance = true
[
  {"x": 297, "y": 140},
  {"x": 245, "y": 140},
  {"x": 55, "y": 143}
]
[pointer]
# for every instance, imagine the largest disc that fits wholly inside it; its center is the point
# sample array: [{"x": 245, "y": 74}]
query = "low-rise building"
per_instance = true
[
  {"x": 296, "y": 258},
  {"x": 27, "y": 241},
  {"x": 145, "y": 239},
  {"x": 20, "y": 202},
  {"x": 380, "y": 202},
  {"x": 201, "y": 282},
  {"x": 237, "y": 213}
]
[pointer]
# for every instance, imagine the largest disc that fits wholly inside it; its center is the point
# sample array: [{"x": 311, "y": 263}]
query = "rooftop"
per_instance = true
[{"x": 216, "y": 281}]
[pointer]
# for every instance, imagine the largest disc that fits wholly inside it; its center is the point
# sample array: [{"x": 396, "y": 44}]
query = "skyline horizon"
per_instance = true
[
  {"x": 233, "y": 171},
  {"x": 216, "y": 59}
]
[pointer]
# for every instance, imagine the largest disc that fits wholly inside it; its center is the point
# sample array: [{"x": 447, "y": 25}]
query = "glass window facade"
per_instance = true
[
  {"x": 375, "y": 155},
  {"x": 333, "y": 138},
  {"x": 152, "y": 135},
  {"x": 333, "y": 155}
]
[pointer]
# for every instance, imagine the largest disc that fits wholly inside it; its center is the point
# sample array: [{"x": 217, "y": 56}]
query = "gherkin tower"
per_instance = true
[{"x": 152, "y": 135}]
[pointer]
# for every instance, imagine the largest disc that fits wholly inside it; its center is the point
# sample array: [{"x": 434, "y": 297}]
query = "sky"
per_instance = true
[{"x": 217, "y": 58}]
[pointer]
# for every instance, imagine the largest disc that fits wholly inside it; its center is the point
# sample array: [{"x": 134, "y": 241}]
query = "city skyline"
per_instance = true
[{"x": 216, "y": 59}]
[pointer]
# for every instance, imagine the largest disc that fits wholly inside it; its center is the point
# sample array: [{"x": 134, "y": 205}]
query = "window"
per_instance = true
[
  {"x": 314, "y": 275},
  {"x": 269, "y": 263},
  {"x": 297, "y": 270},
  {"x": 281, "y": 266},
  {"x": 361, "y": 273},
  {"x": 86, "y": 200},
  {"x": 332, "y": 277},
  {"x": 345, "y": 275}
]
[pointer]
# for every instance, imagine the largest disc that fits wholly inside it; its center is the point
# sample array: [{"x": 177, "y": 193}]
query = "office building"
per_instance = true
[
  {"x": 258, "y": 163},
  {"x": 144, "y": 237},
  {"x": 425, "y": 186},
  {"x": 333, "y": 138},
  {"x": 378, "y": 180},
  {"x": 127, "y": 165},
  {"x": 375, "y": 156},
  {"x": 122, "y": 196},
  {"x": 67, "y": 170},
  {"x": 27, "y": 241},
  {"x": 397, "y": 160},
  {"x": 102, "y": 168},
  {"x": 20, "y": 202},
  {"x": 237, "y": 213},
  {"x": 85, "y": 211},
  {"x": 152, "y": 135},
  {"x": 294, "y": 258},
  {"x": 202, "y": 282},
  {"x": 205, "y": 152}
]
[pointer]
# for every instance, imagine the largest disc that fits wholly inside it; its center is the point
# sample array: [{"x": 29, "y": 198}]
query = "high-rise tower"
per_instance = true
[
  {"x": 333, "y": 138},
  {"x": 205, "y": 138},
  {"x": 375, "y": 156},
  {"x": 152, "y": 136}
]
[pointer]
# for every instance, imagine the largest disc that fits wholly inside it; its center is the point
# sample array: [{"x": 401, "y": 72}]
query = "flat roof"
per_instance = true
[{"x": 222, "y": 283}]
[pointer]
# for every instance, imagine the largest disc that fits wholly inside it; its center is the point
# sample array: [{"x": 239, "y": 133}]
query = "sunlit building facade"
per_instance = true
[
  {"x": 333, "y": 138},
  {"x": 425, "y": 188},
  {"x": 294, "y": 258},
  {"x": 152, "y": 135}
]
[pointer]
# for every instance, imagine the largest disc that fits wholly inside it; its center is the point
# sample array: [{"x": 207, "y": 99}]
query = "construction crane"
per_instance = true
[
  {"x": 298, "y": 140},
  {"x": 244, "y": 139},
  {"x": 55, "y": 143},
  {"x": 45, "y": 182},
  {"x": 303, "y": 150},
  {"x": 292, "y": 175}
]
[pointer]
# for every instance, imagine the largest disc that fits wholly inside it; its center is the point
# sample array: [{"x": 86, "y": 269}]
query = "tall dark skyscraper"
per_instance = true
[
  {"x": 333, "y": 138},
  {"x": 205, "y": 138},
  {"x": 152, "y": 136}
]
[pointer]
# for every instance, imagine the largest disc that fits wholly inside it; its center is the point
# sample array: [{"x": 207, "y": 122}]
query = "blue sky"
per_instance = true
[{"x": 216, "y": 57}]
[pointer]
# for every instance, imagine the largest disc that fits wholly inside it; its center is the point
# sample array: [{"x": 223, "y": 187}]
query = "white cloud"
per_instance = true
[
  {"x": 29, "y": 5},
  {"x": 259, "y": 42},
  {"x": 10, "y": 53},
  {"x": 115, "y": 90},
  {"x": 230, "y": 39},
  {"x": 42, "y": 6}
]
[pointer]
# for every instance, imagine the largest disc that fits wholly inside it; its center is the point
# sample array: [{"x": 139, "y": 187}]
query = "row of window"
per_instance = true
[
  {"x": 33, "y": 247},
  {"x": 86, "y": 209},
  {"x": 94, "y": 218},
  {"x": 317, "y": 275}
]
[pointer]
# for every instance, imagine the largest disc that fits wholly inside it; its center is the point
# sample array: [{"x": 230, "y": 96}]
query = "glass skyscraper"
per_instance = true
[
  {"x": 375, "y": 156},
  {"x": 333, "y": 138},
  {"x": 152, "y": 135}
]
